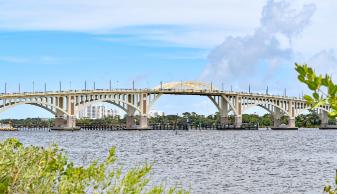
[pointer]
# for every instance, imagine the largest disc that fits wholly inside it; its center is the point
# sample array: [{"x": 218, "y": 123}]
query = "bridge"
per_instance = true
[{"x": 65, "y": 105}]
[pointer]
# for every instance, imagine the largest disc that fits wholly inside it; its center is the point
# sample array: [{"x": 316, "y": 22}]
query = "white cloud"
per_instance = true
[
  {"x": 325, "y": 62},
  {"x": 257, "y": 57},
  {"x": 206, "y": 22}
]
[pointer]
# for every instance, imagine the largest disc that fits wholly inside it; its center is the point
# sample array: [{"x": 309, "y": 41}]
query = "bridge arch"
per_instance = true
[
  {"x": 190, "y": 85},
  {"x": 82, "y": 105},
  {"x": 301, "y": 111},
  {"x": 43, "y": 105},
  {"x": 263, "y": 105}
]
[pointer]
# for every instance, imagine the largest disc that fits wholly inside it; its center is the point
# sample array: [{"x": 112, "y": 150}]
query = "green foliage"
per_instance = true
[
  {"x": 331, "y": 189},
  {"x": 323, "y": 89},
  {"x": 37, "y": 170},
  {"x": 310, "y": 120},
  {"x": 323, "y": 93}
]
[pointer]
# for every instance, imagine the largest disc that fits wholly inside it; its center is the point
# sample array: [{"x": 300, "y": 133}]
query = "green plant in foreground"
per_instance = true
[
  {"x": 323, "y": 89},
  {"x": 47, "y": 170},
  {"x": 324, "y": 92}
]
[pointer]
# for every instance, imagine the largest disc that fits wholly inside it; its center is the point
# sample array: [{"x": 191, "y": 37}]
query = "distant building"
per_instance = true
[
  {"x": 155, "y": 113},
  {"x": 97, "y": 112}
]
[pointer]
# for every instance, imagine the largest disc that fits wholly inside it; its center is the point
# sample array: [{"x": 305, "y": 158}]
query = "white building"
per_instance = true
[
  {"x": 155, "y": 113},
  {"x": 97, "y": 112}
]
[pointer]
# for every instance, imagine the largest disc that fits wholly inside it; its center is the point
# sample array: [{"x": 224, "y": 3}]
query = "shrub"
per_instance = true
[{"x": 34, "y": 169}]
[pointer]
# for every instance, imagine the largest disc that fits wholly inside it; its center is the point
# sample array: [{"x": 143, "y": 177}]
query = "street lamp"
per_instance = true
[{"x": 60, "y": 86}]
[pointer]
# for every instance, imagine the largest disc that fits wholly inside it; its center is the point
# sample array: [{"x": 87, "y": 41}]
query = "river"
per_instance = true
[{"x": 261, "y": 161}]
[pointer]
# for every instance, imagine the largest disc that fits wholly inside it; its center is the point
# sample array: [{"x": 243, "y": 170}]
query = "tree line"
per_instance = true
[{"x": 191, "y": 118}]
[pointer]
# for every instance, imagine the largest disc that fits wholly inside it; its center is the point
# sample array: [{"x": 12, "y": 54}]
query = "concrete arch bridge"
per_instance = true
[{"x": 65, "y": 105}]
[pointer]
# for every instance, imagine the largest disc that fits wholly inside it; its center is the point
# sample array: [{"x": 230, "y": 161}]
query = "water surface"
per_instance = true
[{"x": 210, "y": 161}]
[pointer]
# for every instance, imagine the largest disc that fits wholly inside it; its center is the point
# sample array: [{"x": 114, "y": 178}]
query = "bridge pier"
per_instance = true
[
  {"x": 277, "y": 117},
  {"x": 291, "y": 122},
  {"x": 224, "y": 120},
  {"x": 68, "y": 123},
  {"x": 130, "y": 122},
  {"x": 238, "y": 121},
  {"x": 324, "y": 119},
  {"x": 143, "y": 122}
]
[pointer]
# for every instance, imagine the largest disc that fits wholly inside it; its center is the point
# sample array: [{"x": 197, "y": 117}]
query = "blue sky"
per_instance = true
[{"x": 149, "y": 42}]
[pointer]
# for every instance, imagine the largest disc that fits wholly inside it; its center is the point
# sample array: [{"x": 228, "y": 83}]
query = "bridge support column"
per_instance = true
[
  {"x": 130, "y": 122},
  {"x": 277, "y": 117},
  {"x": 238, "y": 121},
  {"x": 292, "y": 115},
  {"x": 324, "y": 119},
  {"x": 291, "y": 122},
  {"x": 143, "y": 122},
  {"x": 224, "y": 111},
  {"x": 68, "y": 122},
  {"x": 224, "y": 120}
]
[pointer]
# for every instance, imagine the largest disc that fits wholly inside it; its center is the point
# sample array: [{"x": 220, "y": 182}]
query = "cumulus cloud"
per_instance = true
[
  {"x": 257, "y": 56},
  {"x": 324, "y": 62}
]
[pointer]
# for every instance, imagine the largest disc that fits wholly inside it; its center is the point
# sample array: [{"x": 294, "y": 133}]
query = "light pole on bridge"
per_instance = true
[
  {"x": 267, "y": 90},
  {"x": 249, "y": 89},
  {"x": 33, "y": 87},
  {"x": 60, "y": 86},
  {"x": 94, "y": 85},
  {"x": 133, "y": 84},
  {"x": 45, "y": 87},
  {"x": 110, "y": 85},
  {"x": 19, "y": 87},
  {"x": 85, "y": 84},
  {"x": 5, "y": 87}
]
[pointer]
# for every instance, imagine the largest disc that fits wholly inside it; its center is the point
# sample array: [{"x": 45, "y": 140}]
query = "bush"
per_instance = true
[{"x": 47, "y": 170}]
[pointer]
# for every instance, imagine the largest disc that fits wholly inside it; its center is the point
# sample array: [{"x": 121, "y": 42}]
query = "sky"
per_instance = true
[{"x": 229, "y": 42}]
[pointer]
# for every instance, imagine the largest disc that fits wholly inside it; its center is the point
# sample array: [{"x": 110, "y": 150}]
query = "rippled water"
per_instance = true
[{"x": 211, "y": 161}]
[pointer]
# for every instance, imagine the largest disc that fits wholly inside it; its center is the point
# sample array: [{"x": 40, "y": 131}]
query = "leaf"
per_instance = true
[
  {"x": 315, "y": 95},
  {"x": 308, "y": 99}
]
